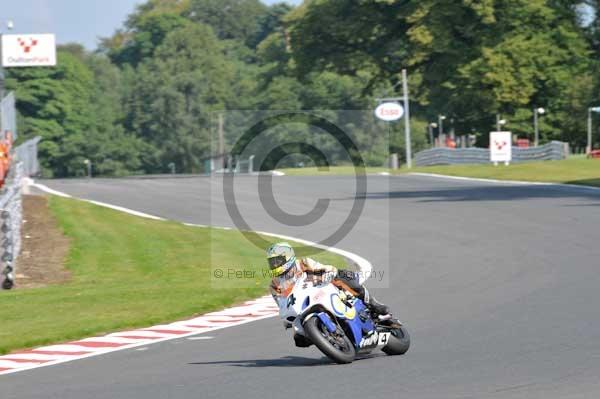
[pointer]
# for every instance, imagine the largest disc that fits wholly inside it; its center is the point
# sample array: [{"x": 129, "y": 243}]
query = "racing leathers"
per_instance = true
[{"x": 281, "y": 286}]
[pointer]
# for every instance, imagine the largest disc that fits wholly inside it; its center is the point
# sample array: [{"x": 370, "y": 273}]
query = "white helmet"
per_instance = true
[{"x": 281, "y": 258}]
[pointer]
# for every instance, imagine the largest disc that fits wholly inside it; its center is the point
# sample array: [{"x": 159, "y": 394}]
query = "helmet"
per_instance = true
[{"x": 281, "y": 258}]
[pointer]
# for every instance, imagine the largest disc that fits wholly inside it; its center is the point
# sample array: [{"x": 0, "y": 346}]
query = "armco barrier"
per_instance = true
[
  {"x": 11, "y": 215},
  {"x": 554, "y": 150}
]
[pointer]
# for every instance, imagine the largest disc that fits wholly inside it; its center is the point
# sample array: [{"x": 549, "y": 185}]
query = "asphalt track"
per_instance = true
[{"x": 499, "y": 285}]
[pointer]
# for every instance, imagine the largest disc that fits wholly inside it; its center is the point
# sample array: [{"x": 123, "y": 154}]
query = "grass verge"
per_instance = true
[
  {"x": 575, "y": 170},
  {"x": 129, "y": 272}
]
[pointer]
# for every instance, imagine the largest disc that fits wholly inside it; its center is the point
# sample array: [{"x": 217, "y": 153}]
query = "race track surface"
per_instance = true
[{"x": 499, "y": 285}]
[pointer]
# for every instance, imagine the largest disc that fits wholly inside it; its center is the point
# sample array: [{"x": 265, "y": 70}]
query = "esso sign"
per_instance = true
[{"x": 389, "y": 111}]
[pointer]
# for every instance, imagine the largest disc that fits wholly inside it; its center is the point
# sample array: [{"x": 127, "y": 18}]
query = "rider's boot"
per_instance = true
[
  {"x": 351, "y": 279},
  {"x": 374, "y": 305}
]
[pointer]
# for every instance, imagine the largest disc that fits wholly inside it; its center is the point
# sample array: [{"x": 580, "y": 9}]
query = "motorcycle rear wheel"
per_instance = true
[
  {"x": 398, "y": 342},
  {"x": 336, "y": 346}
]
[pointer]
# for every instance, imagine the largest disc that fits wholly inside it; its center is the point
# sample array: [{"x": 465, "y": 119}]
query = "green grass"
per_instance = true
[
  {"x": 130, "y": 272},
  {"x": 575, "y": 170}
]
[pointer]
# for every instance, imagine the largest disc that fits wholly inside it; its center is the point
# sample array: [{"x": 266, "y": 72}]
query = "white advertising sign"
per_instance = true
[
  {"x": 501, "y": 147},
  {"x": 389, "y": 111},
  {"x": 28, "y": 50}
]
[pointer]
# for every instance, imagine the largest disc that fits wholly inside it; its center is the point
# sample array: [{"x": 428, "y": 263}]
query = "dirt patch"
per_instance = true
[{"x": 44, "y": 248}]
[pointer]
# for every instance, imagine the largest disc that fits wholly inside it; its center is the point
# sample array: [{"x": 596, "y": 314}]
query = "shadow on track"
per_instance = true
[
  {"x": 489, "y": 193},
  {"x": 287, "y": 361},
  {"x": 586, "y": 182}
]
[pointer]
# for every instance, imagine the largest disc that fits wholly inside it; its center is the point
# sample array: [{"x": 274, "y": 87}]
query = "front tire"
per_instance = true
[
  {"x": 337, "y": 346},
  {"x": 398, "y": 343}
]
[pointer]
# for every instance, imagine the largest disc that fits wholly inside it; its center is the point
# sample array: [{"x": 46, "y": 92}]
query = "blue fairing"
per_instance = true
[{"x": 357, "y": 326}]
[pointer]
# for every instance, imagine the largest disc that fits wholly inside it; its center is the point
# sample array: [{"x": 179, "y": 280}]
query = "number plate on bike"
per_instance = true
[{"x": 383, "y": 339}]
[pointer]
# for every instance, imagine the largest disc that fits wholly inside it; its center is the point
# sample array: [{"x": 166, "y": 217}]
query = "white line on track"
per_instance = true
[
  {"x": 17, "y": 365},
  {"x": 49, "y": 190},
  {"x": 33, "y": 356},
  {"x": 140, "y": 333},
  {"x": 64, "y": 348},
  {"x": 130, "y": 211},
  {"x": 507, "y": 182}
]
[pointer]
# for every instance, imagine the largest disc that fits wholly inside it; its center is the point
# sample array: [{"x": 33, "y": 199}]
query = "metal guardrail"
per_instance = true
[
  {"x": 11, "y": 216},
  {"x": 11, "y": 210},
  {"x": 245, "y": 166},
  {"x": 8, "y": 115},
  {"x": 232, "y": 165},
  {"x": 554, "y": 150},
  {"x": 27, "y": 154}
]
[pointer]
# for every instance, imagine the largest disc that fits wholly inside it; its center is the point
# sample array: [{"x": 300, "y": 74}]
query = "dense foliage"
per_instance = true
[{"x": 147, "y": 97}]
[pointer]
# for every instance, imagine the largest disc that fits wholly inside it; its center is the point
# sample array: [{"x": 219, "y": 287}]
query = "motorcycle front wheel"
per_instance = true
[{"x": 336, "y": 346}]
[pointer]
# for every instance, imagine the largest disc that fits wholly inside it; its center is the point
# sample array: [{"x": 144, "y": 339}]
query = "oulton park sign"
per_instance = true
[{"x": 28, "y": 50}]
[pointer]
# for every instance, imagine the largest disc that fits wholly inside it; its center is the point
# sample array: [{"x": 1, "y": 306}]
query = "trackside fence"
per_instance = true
[
  {"x": 229, "y": 164},
  {"x": 11, "y": 215},
  {"x": 11, "y": 176},
  {"x": 8, "y": 115},
  {"x": 27, "y": 155},
  {"x": 554, "y": 150}
]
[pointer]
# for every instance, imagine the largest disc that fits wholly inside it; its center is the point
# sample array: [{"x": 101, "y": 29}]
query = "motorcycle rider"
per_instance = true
[{"x": 286, "y": 268}]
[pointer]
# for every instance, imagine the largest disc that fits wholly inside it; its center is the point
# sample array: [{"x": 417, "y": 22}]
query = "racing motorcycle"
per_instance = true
[{"x": 339, "y": 323}]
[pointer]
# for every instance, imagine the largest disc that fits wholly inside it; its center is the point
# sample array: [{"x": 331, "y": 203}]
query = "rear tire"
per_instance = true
[
  {"x": 398, "y": 343},
  {"x": 342, "y": 352}
]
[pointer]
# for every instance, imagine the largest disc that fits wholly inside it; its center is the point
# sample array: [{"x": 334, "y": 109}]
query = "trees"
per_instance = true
[
  {"x": 349, "y": 36},
  {"x": 145, "y": 34},
  {"x": 145, "y": 99},
  {"x": 533, "y": 61},
  {"x": 174, "y": 94},
  {"x": 232, "y": 19},
  {"x": 269, "y": 22},
  {"x": 74, "y": 108},
  {"x": 55, "y": 104},
  {"x": 469, "y": 59},
  {"x": 111, "y": 149}
]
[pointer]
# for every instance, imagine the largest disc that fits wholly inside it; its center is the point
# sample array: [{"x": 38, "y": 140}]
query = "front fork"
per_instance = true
[{"x": 323, "y": 316}]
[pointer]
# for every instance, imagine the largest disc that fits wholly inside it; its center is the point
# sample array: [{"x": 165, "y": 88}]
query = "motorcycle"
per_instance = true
[{"x": 339, "y": 323}]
